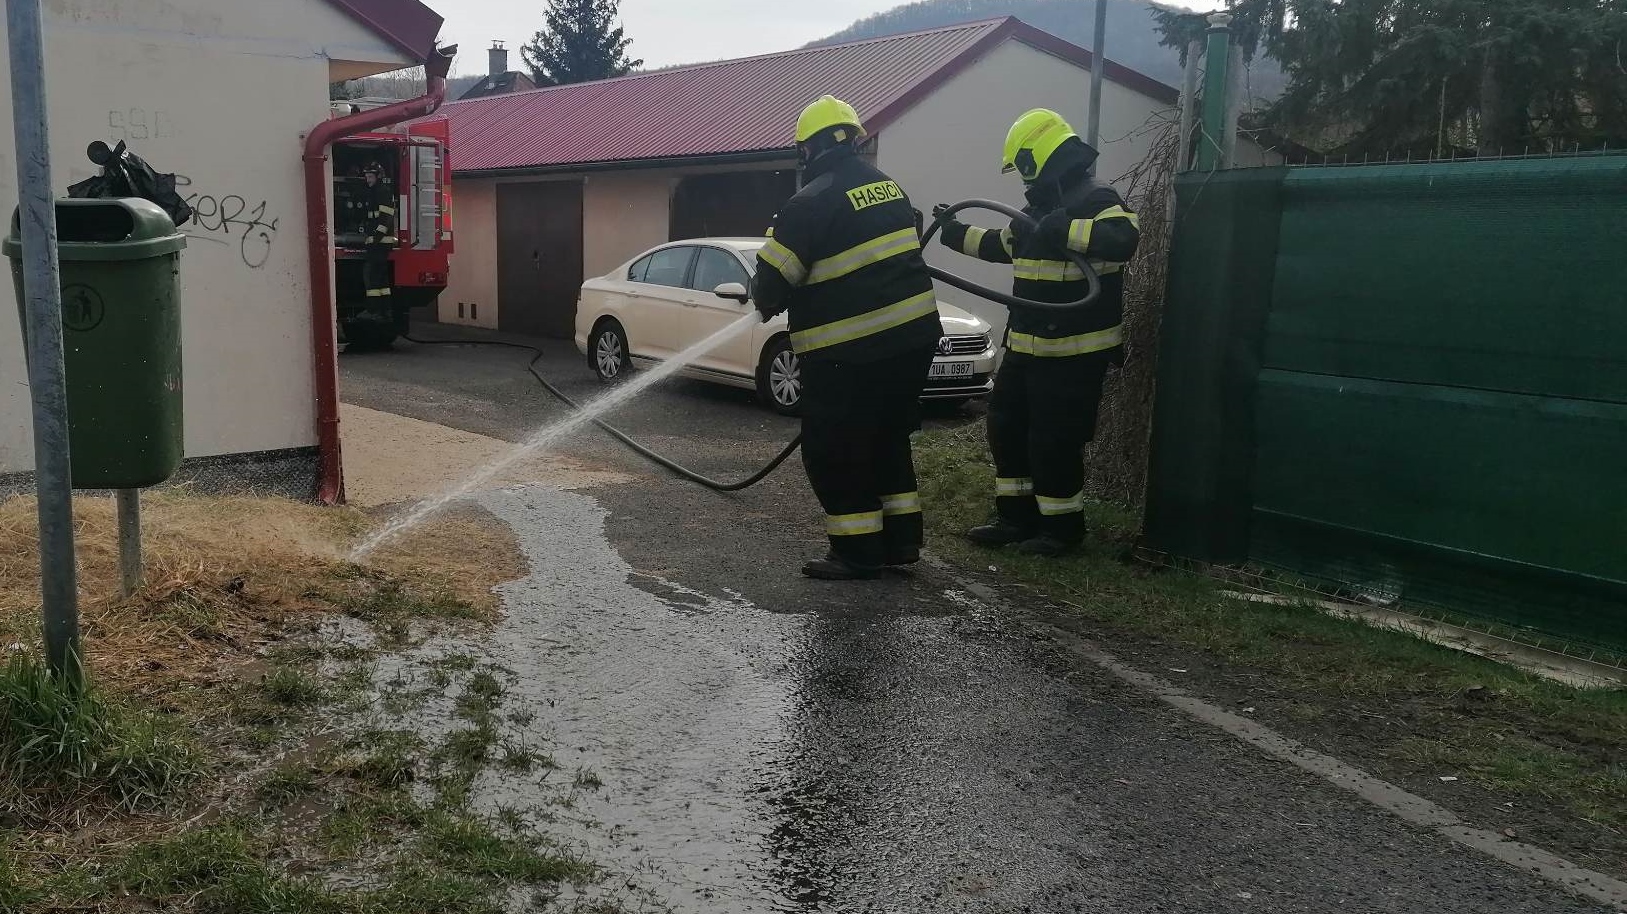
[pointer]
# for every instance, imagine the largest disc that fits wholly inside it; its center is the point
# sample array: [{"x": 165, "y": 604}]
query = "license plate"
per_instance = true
[{"x": 950, "y": 370}]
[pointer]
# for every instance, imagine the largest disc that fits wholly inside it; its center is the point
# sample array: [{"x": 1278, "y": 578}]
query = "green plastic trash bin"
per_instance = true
[{"x": 121, "y": 338}]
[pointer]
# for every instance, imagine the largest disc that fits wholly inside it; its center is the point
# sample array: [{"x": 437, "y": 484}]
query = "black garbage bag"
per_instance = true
[{"x": 125, "y": 174}]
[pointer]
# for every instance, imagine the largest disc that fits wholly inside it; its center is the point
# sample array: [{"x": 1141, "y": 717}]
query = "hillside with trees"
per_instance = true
[{"x": 1133, "y": 35}]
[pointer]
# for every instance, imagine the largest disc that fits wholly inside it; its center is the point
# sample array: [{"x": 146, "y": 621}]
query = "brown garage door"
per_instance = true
[
  {"x": 539, "y": 257},
  {"x": 739, "y": 203}
]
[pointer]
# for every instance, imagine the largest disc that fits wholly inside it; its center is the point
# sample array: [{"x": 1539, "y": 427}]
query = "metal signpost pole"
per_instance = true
[{"x": 43, "y": 310}]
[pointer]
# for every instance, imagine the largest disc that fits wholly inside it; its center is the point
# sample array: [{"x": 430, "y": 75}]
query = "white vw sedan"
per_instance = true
[{"x": 673, "y": 296}]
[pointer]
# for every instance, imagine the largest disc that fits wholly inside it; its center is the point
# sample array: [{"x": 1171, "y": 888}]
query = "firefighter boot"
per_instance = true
[
  {"x": 999, "y": 534},
  {"x": 835, "y": 568},
  {"x": 1046, "y": 546}
]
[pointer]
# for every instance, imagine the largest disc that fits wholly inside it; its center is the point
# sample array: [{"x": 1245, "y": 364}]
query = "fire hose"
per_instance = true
[{"x": 1016, "y": 215}]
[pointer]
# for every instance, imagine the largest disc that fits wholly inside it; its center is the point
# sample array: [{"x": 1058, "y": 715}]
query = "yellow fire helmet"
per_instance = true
[
  {"x": 826, "y": 113},
  {"x": 1030, "y": 142}
]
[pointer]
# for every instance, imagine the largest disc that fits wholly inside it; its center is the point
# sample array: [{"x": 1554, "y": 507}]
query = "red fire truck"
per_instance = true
[{"x": 415, "y": 165}]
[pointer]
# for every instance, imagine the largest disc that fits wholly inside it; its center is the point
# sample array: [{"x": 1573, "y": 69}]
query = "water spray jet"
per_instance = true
[{"x": 594, "y": 410}]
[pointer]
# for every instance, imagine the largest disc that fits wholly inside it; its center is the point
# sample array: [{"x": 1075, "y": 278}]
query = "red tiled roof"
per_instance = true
[
  {"x": 734, "y": 107},
  {"x": 409, "y": 25}
]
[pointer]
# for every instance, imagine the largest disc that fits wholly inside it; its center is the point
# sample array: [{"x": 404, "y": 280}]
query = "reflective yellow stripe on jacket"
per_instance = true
[
  {"x": 862, "y": 255},
  {"x": 785, "y": 260},
  {"x": 862, "y": 325},
  {"x": 1062, "y": 270},
  {"x": 1062, "y": 347},
  {"x": 1049, "y": 270},
  {"x": 1080, "y": 230},
  {"x": 972, "y": 244}
]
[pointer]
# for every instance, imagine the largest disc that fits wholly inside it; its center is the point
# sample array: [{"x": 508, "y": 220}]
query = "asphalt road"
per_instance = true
[{"x": 770, "y": 743}]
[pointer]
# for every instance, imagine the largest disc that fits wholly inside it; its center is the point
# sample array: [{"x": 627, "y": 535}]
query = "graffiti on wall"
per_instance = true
[
  {"x": 134, "y": 125},
  {"x": 234, "y": 220},
  {"x": 245, "y": 225}
]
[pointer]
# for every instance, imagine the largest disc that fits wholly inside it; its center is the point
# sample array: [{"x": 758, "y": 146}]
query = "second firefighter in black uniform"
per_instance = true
[
  {"x": 379, "y": 225},
  {"x": 1043, "y": 408},
  {"x": 844, "y": 259}
]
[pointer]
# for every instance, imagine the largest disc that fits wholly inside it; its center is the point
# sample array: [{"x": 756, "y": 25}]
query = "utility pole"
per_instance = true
[
  {"x": 1236, "y": 84},
  {"x": 1098, "y": 63},
  {"x": 43, "y": 310},
  {"x": 1189, "y": 103}
]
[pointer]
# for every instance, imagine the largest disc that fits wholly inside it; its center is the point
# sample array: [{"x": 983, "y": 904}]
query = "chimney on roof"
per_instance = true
[{"x": 497, "y": 59}]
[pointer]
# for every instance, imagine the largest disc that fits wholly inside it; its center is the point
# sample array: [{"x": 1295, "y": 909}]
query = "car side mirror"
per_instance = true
[{"x": 733, "y": 290}]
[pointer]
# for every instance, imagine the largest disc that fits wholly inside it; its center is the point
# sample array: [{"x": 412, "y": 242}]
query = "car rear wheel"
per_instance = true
[
  {"x": 608, "y": 352},
  {"x": 779, "y": 378}
]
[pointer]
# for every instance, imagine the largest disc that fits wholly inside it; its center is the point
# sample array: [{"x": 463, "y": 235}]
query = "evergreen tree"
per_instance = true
[
  {"x": 1427, "y": 76},
  {"x": 580, "y": 41}
]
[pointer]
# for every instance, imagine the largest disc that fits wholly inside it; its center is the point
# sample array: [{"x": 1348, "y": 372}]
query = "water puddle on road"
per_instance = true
[
  {"x": 721, "y": 757},
  {"x": 664, "y": 742}
]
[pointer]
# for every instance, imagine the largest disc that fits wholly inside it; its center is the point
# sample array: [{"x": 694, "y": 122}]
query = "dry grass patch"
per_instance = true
[
  {"x": 226, "y": 575},
  {"x": 197, "y": 688}
]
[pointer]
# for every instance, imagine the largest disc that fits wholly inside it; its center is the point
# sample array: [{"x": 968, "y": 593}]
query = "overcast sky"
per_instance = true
[{"x": 667, "y": 32}]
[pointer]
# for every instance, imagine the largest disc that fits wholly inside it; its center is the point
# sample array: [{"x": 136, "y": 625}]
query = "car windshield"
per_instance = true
[{"x": 750, "y": 253}]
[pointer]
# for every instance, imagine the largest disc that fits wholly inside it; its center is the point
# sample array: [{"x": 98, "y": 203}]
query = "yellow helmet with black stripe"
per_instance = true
[{"x": 1031, "y": 141}]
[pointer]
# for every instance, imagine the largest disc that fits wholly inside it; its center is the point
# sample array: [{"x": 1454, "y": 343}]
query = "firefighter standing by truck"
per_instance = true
[
  {"x": 378, "y": 204},
  {"x": 1043, "y": 408},
  {"x": 844, "y": 259}
]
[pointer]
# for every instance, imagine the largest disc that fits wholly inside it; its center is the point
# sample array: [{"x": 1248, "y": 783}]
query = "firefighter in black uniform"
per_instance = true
[
  {"x": 844, "y": 258},
  {"x": 1043, "y": 408},
  {"x": 379, "y": 225}
]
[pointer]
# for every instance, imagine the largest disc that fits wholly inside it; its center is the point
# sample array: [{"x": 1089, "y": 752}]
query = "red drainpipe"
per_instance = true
[{"x": 325, "y": 346}]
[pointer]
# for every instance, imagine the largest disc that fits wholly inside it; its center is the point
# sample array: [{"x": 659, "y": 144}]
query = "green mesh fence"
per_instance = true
[
  {"x": 1223, "y": 253},
  {"x": 1439, "y": 415}
]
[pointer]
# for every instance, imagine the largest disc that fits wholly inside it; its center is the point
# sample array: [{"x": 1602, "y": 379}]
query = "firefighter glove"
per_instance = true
[
  {"x": 1052, "y": 231},
  {"x": 768, "y": 311}
]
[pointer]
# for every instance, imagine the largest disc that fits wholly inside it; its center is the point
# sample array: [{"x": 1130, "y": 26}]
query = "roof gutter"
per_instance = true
[
  {"x": 324, "y": 340},
  {"x": 787, "y": 155}
]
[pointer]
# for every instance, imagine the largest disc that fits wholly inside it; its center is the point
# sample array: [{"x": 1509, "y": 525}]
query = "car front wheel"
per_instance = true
[
  {"x": 608, "y": 351},
  {"x": 779, "y": 378}
]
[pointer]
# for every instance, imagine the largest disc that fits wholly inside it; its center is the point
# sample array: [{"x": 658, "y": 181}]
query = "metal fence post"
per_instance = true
[
  {"x": 1215, "y": 84},
  {"x": 129, "y": 512}
]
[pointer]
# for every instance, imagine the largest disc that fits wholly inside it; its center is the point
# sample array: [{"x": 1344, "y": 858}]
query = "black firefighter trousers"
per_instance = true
[
  {"x": 377, "y": 276},
  {"x": 1042, "y": 413},
  {"x": 857, "y": 418}
]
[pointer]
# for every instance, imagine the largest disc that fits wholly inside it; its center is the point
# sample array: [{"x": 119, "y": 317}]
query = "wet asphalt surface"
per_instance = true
[{"x": 769, "y": 743}]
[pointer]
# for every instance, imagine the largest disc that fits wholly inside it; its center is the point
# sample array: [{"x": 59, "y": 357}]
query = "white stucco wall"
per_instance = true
[
  {"x": 472, "y": 283},
  {"x": 624, "y": 213},
  {"x": 947, "y": 148},
  {"x": 221, "y": 92}
]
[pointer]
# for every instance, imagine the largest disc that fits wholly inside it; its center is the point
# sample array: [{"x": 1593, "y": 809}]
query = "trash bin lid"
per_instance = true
[{"x": 119, "y": 228}]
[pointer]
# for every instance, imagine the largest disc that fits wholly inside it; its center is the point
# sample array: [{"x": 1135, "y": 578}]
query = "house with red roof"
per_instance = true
[
  {"x": 223, "y": 93},
  {"x": 558, "y": 184}
]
